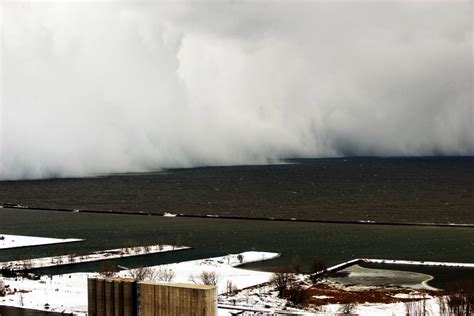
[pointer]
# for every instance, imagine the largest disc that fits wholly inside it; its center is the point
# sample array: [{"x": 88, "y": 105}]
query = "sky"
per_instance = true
[{"x": 99, "y": 87}]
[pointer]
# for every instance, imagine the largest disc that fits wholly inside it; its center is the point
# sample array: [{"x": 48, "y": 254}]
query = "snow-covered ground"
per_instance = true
[
  {"x": 63, "y": 293},
  {"x": 224, "y": 268},
  {"x": 427, "y": 306},
  {"x": 265, "y": 300},
  {"x": 262, "y": 299},
  {"x": 421, "y": 263},
  {"x": 68, "y": 292},
  {"x": 93, "y": 256},
  {"x": 16, "y": 241},
  {"x": 432, "y": 307}
]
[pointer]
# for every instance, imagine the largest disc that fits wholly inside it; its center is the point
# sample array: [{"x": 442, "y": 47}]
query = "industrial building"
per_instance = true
[{"x": 127, "y": 297}]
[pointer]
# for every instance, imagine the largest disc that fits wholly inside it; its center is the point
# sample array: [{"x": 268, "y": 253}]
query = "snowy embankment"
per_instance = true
[
  {"x": 265, "y": 301},
  {"x": 17, "y": 241},
  {"x": 421, "y": 263},
  {"x": 225, "y": 269},
  {"x": 93, "y": 256},
  {"x": 260, "y": 300},
  {"x": 68, "y": 292}
]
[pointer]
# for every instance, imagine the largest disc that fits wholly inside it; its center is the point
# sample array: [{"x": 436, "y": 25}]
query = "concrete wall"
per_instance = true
[{"x": 125, "y": 297}]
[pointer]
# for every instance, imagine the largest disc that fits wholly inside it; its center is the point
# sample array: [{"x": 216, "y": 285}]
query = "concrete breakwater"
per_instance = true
[{"x": 223, "y": 217}]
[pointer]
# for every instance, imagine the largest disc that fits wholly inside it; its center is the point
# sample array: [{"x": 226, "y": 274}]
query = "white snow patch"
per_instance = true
[
  {"x": 322, "y": 297},
  {"x": 15, "y": 241},
  {"x": 224, "y": 267},
  {"x": 64, "y": 293},
  {"x": 431, "y": 306},
  {"x": 166, "y": 214},
  {"x": 421, "y": 263}
]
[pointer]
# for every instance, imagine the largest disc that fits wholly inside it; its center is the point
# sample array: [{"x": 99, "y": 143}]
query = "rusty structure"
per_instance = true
[{"x": 126, "y": 297}]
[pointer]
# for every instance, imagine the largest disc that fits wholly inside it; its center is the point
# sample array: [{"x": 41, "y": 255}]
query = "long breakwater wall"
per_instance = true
[{"x": 223, "y": 217}]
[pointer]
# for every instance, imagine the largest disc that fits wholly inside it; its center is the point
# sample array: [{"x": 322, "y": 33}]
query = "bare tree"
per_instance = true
[
  {"x": 282, "y": 281},
  {"x": 139, "y": 274},
  {"x": 230, "y": 287},
  {"x": 347, "y": 309},
  {"x": 443, "y": 305},
  {"x": 206, "y": 278},
  {"x": 318, "y": 266},
  {"x": 461, "y": 297},
  {"x": 413, "y": 307},
  {"x": 288, "y": 287},
  {"x": 145, "y": 273},
  {"x": 165, "y": 274}
]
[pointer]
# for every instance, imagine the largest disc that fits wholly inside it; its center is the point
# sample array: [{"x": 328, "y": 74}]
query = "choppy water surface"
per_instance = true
[
  {"x": 378, "y": 189},
  {"x": 348, "y": 189},
  {"x": 213, "y": 237}
]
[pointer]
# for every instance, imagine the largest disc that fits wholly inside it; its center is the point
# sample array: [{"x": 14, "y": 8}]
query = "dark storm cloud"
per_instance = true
[{"x": 102, "y": 87}]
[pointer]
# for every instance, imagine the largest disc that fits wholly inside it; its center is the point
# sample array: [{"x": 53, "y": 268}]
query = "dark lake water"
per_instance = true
[
  {"x": 351, "y": 189},
  {"x": 213, "y": 237},
  {"x": 425, "y": 189}
]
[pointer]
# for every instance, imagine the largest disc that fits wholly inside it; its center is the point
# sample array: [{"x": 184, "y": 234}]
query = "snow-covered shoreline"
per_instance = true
[
  {"x": 68, "y": 292},
  {"x": 93, "y": 256},
  {"x": 421, "y": 263},
  {"x": 18, "y": 241},
  {"x": 225, "y": 268}
]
